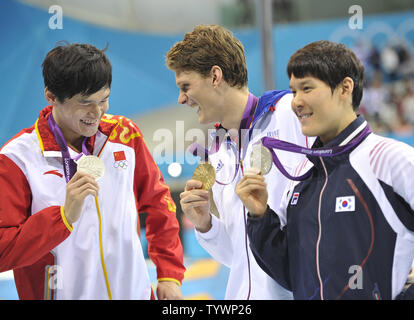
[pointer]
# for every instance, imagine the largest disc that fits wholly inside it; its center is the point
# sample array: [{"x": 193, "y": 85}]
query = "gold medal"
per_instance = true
[
  {"x": 92, "y": 165},
  {"x": 261, "y": 158},
  {"x": 206, "y": 174}
]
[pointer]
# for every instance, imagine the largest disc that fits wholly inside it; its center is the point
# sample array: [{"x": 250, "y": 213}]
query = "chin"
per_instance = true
[
  {"x": 305, "y": 131},
  {"x": 309, "y": 132},
  {"x": 89, "y": 133}
]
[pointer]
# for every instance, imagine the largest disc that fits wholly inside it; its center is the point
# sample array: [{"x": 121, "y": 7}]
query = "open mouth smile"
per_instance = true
[
  {"x": 304, "y": 116},
  {"x": 89, "y": 122}
]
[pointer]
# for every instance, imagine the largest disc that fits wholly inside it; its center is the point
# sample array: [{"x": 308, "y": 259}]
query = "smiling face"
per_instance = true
[
  {"x": 321, "y": 112},
  {"x": 198, "y": 92},
  {"x": 79, "y": 116}
]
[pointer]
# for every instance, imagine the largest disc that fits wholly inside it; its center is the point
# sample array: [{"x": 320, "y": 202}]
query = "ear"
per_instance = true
[
  {"x": 50, "y": 97},
  {"x": 216, "y": 76},
  {"x": 346, "y": 88}
]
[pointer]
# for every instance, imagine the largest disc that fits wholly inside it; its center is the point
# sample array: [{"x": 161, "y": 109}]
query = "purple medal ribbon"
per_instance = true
[
  {"x": 272, "y": 143},
  {"x": 248, "y": 114},
  {"x": 69, "y": 164}
]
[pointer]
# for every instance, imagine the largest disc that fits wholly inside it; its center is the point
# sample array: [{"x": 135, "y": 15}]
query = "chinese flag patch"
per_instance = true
[{"x": 119, "y": 155}]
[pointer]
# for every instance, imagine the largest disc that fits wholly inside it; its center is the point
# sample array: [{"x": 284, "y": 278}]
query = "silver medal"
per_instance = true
[
  {"x": 92, "y": 165},
  {"x": 261, "y": 158}
]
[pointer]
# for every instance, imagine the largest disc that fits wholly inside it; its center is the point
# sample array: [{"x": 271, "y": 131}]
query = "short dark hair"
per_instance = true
[
  {"x": 70, "y": 69},
  {"x": 206, "y": 46},
  {"x": 331, "y": 63}
]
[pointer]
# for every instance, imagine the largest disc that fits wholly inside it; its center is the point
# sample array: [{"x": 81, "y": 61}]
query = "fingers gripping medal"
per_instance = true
[
  {"x": 261, "y": 158},
  {"x": 206, "y": 174},
  {"x": 92, "y": 165}
]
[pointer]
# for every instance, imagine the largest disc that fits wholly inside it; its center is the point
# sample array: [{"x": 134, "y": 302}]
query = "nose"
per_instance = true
[
  {"x": 182, "y": 98},
  {"x": 296, "y": 102}
]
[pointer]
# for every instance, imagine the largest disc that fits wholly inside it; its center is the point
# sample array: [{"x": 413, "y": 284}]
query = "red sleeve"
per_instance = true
[
  {"x": 24, "y": 238},
  {"x": 153, "y": 196}
]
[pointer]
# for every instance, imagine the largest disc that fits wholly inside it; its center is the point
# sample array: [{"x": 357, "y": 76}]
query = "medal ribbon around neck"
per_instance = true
[
  {"x": 69, "y": 164},
  {"x": 247, "y": 119},
  {"x": 272, "y": 143}
]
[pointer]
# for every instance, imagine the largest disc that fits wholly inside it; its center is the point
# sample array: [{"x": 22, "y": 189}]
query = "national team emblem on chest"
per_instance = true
[
  {"x": 345, "y": 204},
  {"x": 295, "y": 199},
  {"x": 120, "y": 160}
]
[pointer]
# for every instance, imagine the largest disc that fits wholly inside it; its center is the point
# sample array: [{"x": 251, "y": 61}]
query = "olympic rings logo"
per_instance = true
[{"x": 122, "y": 164}]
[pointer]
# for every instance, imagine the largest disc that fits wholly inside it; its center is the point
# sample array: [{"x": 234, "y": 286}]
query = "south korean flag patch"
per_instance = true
[{"x": 345, "y": 204}]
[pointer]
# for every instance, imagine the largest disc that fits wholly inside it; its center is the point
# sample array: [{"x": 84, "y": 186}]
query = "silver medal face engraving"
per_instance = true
[
  {"x": 261, "y": 158},
  {"x": 92, "y": 165}
]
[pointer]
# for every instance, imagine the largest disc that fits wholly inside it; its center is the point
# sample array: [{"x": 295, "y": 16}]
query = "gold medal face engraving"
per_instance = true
[
  {"x": 261, "y": 158},
  {"x": 92, "y": 165},
  {"x": 206, "y": 174}
]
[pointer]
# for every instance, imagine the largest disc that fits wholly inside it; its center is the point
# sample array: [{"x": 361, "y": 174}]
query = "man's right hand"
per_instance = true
[
  {"x": 195, "y": 202},
  {"x": 252, "y": 192},
  {"x": 78, "y": 188}
]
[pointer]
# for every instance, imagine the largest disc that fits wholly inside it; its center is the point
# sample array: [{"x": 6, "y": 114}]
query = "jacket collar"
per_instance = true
[
  {"x": 266, "y": 103},
  {"x": 47, "y": 141},
  {"x": 349, "y": 133}
]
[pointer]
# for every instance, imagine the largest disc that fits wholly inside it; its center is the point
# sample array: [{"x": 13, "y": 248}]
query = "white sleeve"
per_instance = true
[
  {"x": 393, "y": 163},
  {"x": 401, "y": 160},
  {"x": 217, "y": 242}
]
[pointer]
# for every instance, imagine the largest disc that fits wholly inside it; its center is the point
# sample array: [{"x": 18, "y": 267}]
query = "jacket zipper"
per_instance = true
[{"x": 320, "y": 229}]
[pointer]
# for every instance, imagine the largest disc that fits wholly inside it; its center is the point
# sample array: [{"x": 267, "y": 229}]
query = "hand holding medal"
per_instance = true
[
  {"x": 81, "y": 185},
  {"x": 196, "y": 200},
  {"x": 195, "y": 203},
  {"x": 81, "y": 174},
  {"x": 206, "y": 174},
  {"x": 252, "y": 187}
]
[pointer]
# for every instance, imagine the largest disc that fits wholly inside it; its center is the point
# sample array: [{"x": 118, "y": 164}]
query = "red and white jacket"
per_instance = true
[{"x": 100, "y": 255}]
